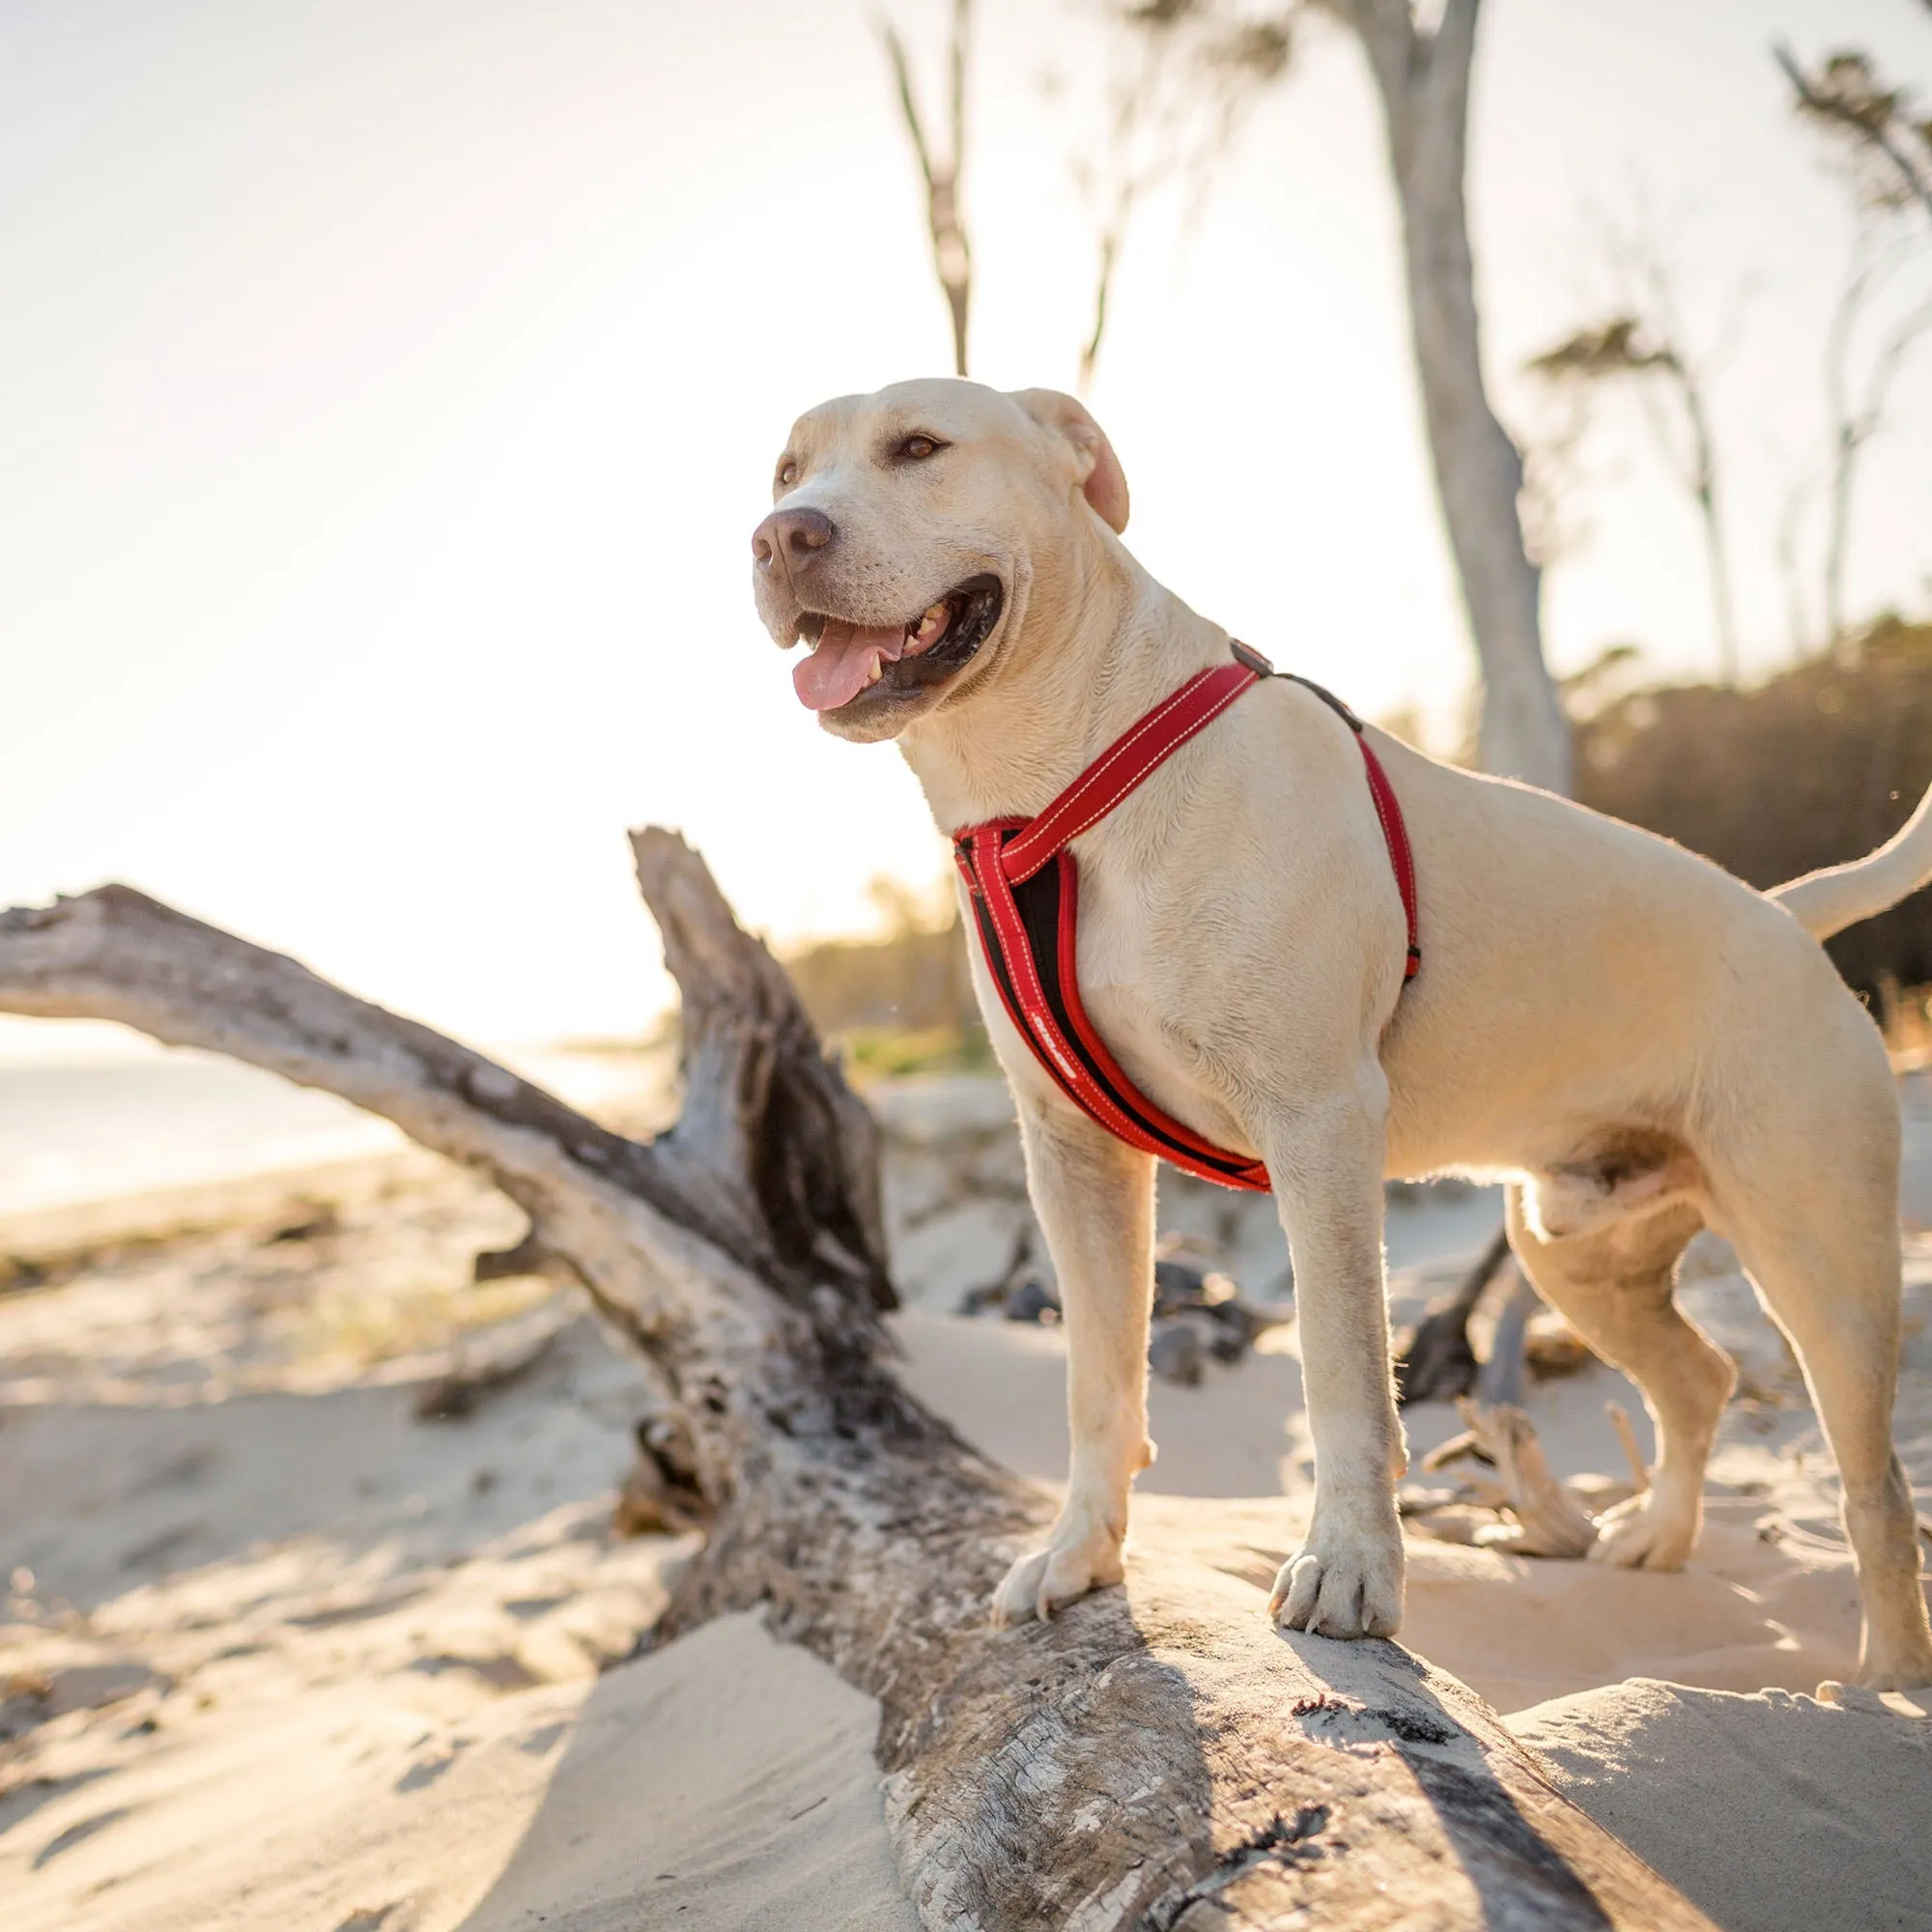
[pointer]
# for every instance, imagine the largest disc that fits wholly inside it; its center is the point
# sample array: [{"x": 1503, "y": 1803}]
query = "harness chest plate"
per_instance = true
[{"x": 1024, "y": 890}]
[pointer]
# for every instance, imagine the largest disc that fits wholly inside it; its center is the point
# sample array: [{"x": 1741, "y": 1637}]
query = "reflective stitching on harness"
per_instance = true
[
  {"x": 1021, "y": 860},
  {"x": 1025, "y": 972},
  {"x": 1005, "y": 859}
]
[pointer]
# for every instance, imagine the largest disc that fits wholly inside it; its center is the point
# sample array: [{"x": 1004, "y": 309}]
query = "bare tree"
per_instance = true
[
  {"x": 1645, "y": 345},
  {"x": 1421, "y": 76},
  {"x": 942, "y": 175},
  {"x": 1554, "y": 435},
  {"x": 1856, "y": 398},
  {"x": 1158, "y": 1757},
  {"x": 1882, "y": 137},
  {"x": 1885, "y": 153},
  {"x": 1182, "y": 79}
]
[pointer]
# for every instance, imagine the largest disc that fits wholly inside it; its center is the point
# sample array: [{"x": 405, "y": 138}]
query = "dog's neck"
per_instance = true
[{"x": 1102, "y": 645}]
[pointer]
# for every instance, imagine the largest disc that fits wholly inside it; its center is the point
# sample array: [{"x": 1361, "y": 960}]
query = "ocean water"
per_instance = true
[
  {"x": 91, "y": 1129},
  {"x": 95, "y": 1126}
]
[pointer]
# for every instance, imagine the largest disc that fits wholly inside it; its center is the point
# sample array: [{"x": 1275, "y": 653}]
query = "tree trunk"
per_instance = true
[
  {"x": 1423, "y": 79},
  {"x": 942, "y": 177},
  {"x": 1159, "y": 1757}
]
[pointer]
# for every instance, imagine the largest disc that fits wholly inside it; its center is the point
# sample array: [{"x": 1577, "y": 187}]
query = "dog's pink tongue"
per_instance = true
[{"x": 841, "y": 667}]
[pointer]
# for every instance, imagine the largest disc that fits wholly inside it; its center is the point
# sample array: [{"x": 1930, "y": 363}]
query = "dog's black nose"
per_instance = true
[{"x": 791, "y": 535}]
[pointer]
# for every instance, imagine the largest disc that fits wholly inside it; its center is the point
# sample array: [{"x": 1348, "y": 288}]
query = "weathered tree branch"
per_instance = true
[
  {"x": 1436, "y": 1361},
  {"x": 1158, "y": 1757},
  {"x": 1550, "y": 1521}
]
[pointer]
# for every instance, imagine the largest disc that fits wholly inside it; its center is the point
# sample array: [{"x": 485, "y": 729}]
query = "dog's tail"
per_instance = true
[{"x": 1841, "y": 896}]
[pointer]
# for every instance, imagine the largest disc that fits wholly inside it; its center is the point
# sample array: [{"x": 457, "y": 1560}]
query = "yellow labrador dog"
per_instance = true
[{"x": 1636, "y": 1044}]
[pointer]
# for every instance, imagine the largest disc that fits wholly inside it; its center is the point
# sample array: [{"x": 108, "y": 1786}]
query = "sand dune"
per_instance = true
[{"x": 1773, "y": 1811}]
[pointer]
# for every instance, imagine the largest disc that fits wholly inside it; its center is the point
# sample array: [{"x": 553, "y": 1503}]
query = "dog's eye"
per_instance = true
[
  {"x": 917, "y": 448},
  {"x": 788, "y": 473}
]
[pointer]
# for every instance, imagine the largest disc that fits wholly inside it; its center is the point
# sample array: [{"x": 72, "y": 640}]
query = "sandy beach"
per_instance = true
[
  {"x": 598, "y": 599},
  {"x": 279, "y": 1650}
]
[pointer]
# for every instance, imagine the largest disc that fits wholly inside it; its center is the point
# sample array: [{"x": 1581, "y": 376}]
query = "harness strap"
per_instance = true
[
  {"x": 1124, "y": 763},
  {"x": 1026, "y": 934},
  {"x": 1395, "y": 832},
  {"x": 1023, "y": 885}
]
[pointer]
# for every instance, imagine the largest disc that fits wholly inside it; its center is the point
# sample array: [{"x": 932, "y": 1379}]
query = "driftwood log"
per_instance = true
[
  {"x": 1157, "y": 1757},
  {"x": 1436, "y": 1361}
]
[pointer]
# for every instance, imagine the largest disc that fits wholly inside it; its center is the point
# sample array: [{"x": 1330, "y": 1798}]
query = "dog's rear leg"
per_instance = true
[
  {"x": 1820, "y": 1240},
  {"x": 1614, "y": 1285},
  {"x": 1327, "y": 1163},
  {"x": 1094, "y": 1199}
]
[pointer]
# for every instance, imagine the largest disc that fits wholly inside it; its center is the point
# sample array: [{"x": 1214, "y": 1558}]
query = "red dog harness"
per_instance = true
[{"x": 1023, "y": 883}]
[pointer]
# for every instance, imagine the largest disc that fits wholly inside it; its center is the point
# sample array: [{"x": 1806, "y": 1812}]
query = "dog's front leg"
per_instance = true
[
  {"x": 1326, "y": 1164},
  {"x": 1094, "y": 1199}
]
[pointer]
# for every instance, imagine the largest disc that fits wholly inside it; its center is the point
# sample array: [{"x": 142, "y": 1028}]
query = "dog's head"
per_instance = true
[{"x": 911, "y": 532}]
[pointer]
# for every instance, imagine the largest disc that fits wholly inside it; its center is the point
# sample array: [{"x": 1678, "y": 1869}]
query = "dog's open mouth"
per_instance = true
[{"x": 851, "y": 663}]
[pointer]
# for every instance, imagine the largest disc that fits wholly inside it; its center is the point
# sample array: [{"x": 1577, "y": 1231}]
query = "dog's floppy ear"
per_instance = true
[{"x": 1101, "y": 477}]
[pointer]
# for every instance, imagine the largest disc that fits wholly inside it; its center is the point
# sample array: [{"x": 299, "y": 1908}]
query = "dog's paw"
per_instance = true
[
  {"x": 1882, "y": 1699},
  {"x": 1910, "y": 1674},
  {"x": 1079, "y": 1556},
  {"x": 1637, "y": 1535},
  {"x": 1345, "y": 1582},
  {"x": 1906, "y": 1675}
]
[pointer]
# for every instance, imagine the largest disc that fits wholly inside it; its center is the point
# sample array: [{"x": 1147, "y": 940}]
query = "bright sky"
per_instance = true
[{"x": 388, "y": 388}]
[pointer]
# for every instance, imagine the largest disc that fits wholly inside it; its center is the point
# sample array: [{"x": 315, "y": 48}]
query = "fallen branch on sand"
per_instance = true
[
  {"x": 1548, "y": 1522},
  {"x": 1541, "y": 1516},
  {"x": 1156, "y": 1757}
]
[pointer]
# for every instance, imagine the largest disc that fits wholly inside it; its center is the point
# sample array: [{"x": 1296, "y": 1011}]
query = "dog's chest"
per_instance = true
[{"x": 1150, "y": 993}]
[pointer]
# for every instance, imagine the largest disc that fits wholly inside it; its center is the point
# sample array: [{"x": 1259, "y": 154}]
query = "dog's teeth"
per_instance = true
[
  {"x": 878, "y": 672},
  {"x": 925, "y": 628}
]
